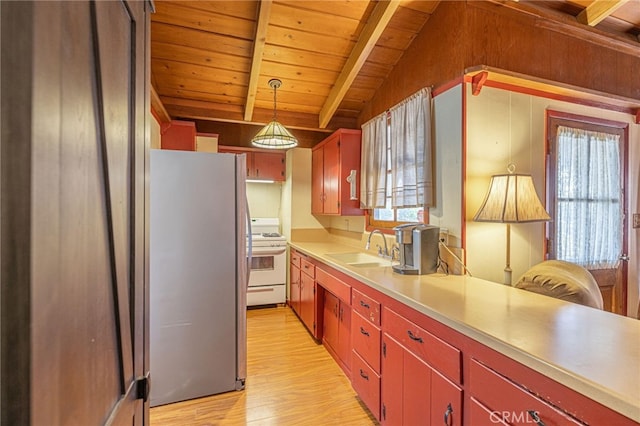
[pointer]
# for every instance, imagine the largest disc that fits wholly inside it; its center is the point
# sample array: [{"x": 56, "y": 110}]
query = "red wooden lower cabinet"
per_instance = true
[
  {"x": 330, "y": 331},
  {"x": 407, "y": 367},
  {"x": 413, "y": 390},
  {"x": 446, "y": 401},
  {"x": 511, "y": 403},
  {"x": 294, "y": 288},
  {"x": 479, "y": 415},
  {"x": 366, "y": 383},
  {"x": 344, "y": 335},
  {"x": 307, "y": 302},
  {"x": 365, "y": 339},
  {"x": 413, "y": 393},
  {"x": 392, "y": 385},
  {"x": 337, "y": 330}
]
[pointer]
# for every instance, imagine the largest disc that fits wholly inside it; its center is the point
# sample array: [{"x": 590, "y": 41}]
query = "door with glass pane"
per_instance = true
[{"x": 587, "y": 180}]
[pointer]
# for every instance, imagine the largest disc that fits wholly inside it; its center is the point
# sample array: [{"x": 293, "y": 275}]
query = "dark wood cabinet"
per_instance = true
[
  {"x": 261, "y": 164},
  {"x": 333, "y": 161}
]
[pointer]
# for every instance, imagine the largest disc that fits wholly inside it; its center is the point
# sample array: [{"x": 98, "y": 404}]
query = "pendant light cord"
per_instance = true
[{"x": 275, "y": 89}]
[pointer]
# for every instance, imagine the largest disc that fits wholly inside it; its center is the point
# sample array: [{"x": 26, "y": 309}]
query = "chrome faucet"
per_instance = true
[{"x": 384, "y": 253}]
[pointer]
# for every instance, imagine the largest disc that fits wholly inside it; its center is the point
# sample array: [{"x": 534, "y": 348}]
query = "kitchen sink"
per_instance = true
[{"x": 360, "y": 260}]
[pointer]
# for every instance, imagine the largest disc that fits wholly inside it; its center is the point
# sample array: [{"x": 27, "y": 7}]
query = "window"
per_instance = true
[
  {"x": 388, "y": 217},
  {"x": 396, "y": 174}
]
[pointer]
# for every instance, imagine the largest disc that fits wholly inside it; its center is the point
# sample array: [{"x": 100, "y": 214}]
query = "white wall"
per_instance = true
[
  {"x": 296, "y": 194},
  {"x": 505, "y": 127},
  {"x": 207, "y": 143},
  {"x": 502, "y": 127},
  {"x": 264, "y": 199},
  {"x": 447, "y": 119}
]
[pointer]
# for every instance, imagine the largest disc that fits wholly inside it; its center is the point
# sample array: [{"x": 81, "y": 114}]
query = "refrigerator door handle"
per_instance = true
[{"x": 250, "y": 241}]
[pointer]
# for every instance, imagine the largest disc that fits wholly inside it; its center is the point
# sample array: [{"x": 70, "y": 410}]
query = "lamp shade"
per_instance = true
[
  {"x": 274, "y": 136},
  {"x": 511, "y": 198}
]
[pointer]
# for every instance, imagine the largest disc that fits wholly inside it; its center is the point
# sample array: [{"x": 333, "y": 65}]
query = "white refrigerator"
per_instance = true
[{"x": 198, "y": 274}]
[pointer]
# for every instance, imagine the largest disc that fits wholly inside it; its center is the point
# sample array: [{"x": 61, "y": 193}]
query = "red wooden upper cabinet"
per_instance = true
[
  {"x": 261, "y": 164},
  {"x": 335, "y": 174},
  {"x": 178, "y": 135}
]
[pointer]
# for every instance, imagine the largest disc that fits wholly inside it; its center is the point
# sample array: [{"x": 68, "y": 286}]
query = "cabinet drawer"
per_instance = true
[
  {"x": 366, "y": 306},
  {"x": 437, "y": 353},
  {"x": 334, "y": 285},
  {"x": 308, "y": 267},
  {"x": 479, "y": 415},
  {"x": 511, "y": 403},
  {"x": 365, "y": 339},
  {"x": 295, "y": 258},
  {"x": 366, "y": 383}
]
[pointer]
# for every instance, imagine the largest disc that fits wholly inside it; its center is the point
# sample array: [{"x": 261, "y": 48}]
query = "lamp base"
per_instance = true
[{"x": 507, "y": 276}]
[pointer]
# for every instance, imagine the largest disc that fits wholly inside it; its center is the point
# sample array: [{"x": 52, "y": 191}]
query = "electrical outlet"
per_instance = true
[
  {"x": 444, "y": 236},
  {"x": 636, "y": 220}
]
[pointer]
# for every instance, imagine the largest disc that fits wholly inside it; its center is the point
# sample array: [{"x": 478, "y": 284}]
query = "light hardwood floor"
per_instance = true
[{"x": 290, "y": 381}]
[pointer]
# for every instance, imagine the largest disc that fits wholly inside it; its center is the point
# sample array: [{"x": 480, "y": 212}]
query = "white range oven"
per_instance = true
[{"x": 267, "y": 280}]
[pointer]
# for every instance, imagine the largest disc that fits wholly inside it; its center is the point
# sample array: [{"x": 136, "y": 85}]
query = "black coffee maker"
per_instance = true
[{"x": 418, "y": 244}]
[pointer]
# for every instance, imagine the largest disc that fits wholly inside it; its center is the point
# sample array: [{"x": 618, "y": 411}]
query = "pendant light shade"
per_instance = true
[{"x": 274, "y": 135}]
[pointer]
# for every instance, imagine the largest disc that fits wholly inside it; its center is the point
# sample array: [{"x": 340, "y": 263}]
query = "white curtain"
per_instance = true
[
  {"x": 411, "y": 167},
  {"x": 373, "y": 166},
  {"x": 589, "y": 208}
]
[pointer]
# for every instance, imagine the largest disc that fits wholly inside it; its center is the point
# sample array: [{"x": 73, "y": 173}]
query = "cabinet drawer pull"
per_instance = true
[
  {"x": 412, "y": 337},
  {"x": 447, "y": 415},
  {"x": 363, "y": 331},
  {"x": 535, "y": 417},
  {"x": 363, "y": 375},
  {"x": 364, "y": 305}
]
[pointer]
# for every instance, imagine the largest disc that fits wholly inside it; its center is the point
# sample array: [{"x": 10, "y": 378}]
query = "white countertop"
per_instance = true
[{"x": 596, "y": 353}]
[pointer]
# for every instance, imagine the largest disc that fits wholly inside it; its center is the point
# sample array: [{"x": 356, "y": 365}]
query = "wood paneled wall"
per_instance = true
[
  {"x": 461, "y": 35},
  {"x": 435, "y": 57},
  {"x": 504, "y": 38}
]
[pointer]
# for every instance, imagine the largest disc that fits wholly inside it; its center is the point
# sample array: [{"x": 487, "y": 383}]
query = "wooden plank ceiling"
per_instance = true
[{"x": 212, "y": 60}]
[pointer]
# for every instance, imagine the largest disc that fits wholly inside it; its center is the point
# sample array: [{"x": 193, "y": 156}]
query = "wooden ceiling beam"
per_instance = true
[
  {"x": 597, "y": 11},
  {"x": 382, "y": 13},
  {"x": 195, "y": 109},
  {"x": 258, "y": 51},
  {"x": 158, "y": 107}
]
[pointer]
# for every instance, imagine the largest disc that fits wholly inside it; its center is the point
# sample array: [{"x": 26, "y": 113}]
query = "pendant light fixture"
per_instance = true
[{"x": 274, "y": 135}]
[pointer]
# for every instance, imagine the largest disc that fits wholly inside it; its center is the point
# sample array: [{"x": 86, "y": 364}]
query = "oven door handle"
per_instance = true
[{"x": 267, "y": 251}]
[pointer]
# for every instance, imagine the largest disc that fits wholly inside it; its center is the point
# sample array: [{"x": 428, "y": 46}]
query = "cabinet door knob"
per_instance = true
[
  {"x": 364, "y": 305},
  {"x": 363, "y": 331}
]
